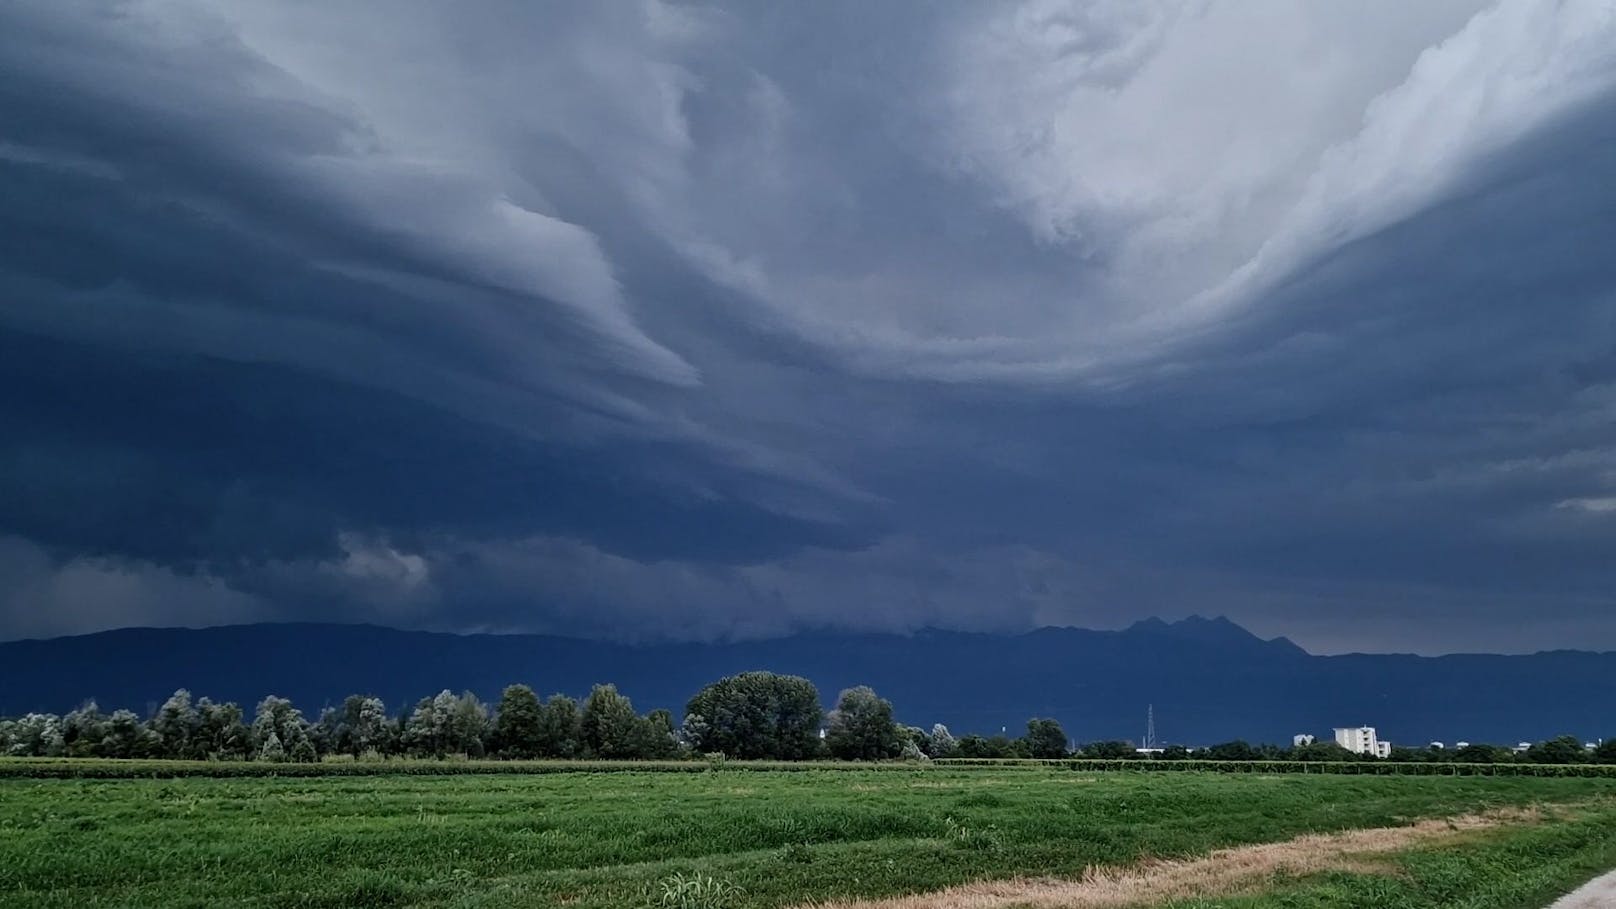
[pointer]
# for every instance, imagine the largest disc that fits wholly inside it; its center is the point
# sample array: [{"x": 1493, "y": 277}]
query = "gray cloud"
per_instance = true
[{"x": 700, "y": 320}]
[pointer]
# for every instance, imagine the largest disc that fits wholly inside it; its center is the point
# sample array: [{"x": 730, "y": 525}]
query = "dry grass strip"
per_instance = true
[{"x": 1223, "y": 872}]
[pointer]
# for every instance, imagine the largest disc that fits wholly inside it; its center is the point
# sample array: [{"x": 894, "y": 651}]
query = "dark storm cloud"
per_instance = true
[{"x": 676, "y": 319}]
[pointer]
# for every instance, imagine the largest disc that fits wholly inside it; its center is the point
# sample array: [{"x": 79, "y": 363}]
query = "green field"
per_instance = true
[{"x": 615, "y": 839}]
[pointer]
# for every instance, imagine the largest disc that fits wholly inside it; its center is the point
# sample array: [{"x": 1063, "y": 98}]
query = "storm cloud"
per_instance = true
[{"x": 648, "y": 320}]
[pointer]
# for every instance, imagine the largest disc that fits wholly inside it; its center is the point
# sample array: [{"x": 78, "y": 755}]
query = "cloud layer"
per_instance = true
[{"x": 693, "y": 320}]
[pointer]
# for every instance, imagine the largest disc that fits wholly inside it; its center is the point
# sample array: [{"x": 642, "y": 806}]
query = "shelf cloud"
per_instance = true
[{"x": 687, "y": 320}]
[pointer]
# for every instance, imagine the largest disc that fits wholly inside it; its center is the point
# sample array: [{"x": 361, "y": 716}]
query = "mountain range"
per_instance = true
[{"x": 1206, "y": 680}]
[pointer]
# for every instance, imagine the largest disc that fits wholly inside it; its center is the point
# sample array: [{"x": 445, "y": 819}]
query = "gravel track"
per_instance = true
[{"x": 1599, "y": 893}]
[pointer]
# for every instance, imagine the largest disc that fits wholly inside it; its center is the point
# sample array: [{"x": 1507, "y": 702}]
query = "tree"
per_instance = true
[
  {"x": 1481, "y": 754},
  {"x": 33, "y": 735},
  {"x": 84, "y": 731},
  {"x": 128, "y": 737},
  {"x": 220, "y": 731},
  {"x": 1322, "y": 751},
  {"x": 1112, "y": 750},
  {"x": 1605, "y": 753},
  {"x": 271, "y": 749},
  {"x": 975, "y": 746},
  {"x": 1237, "y": 750},
  {"x": 1045, "y": 739},
  {"x": 303, "y": 752},
  {"x": 277, "y": 718},
  {"x": 519, "y": 723},
  {"x": 941, "y": 744},
  {"x": 861, "y": 727},
  {"x": 360, "y": 726},
  {"x": 445, "y": 724},
  {"x": 654, "y": 737},
  {"x": 561, "y": 733},
  {"x": 756, "y": 715},
  {"x": 609, "y": 724},
  {"x": 176, "y": 724},
  {"x": 469, "y": 727},
  {"x": 1566, "y": 749}
]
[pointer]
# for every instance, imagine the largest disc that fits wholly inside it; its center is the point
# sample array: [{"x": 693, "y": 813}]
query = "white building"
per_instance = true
[
  {"x": 1362, "y": 740},
  {"x": 1298, "y": 741}
]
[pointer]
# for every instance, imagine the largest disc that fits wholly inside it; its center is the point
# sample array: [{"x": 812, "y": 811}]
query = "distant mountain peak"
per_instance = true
[
  {"x": 1217, "y": 630},
  {"x": 1196, "y": 625}
]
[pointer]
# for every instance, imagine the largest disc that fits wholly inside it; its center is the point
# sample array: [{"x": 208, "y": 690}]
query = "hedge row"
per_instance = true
[
  {"x": 1377, "y": 768},
  {"x": 111, "y": 768},
  {"x": 107, "y": 768}
]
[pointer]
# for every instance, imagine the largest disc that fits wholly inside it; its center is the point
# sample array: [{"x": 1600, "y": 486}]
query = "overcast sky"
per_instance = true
[{"x": 674, "y": 320}]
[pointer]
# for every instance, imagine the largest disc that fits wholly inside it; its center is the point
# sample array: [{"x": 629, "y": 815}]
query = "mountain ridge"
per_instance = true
[{"x": 1208, "y": 679}]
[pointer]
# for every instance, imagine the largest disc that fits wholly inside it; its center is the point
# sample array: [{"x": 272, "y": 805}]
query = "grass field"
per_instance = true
[{"x": 587, "y": 839}]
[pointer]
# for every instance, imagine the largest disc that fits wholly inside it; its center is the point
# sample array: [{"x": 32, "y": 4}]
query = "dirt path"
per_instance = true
[
  {"x": 1599, "y": 893},
  {"x": 1222, "y": 872}
]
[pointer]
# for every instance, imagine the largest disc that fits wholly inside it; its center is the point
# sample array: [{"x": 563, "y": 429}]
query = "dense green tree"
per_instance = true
[
  {"x": 861, "y": 728},
  {"x": 1322, "y": 751},
  {"x": 276, "y": 718},
  {"x": 1237, "y": 750},
  {"x": 1110, "y": 750},
  {"x": 654, "y": 738},
  {"x": 1605, "y": 752},
  {"x": 1565, "y": 749},
  {"x": 128, "y": 737},
  {"x": 221, "y": 732},
  {"x": 1482, "y": 754},
  {"x": 975, "y": 746},
  {"x": 609, "y": 724},
  {"x": 755, "y": 715},
  {"x": 561, "y": 733},
  {"x": 445, "y": 724},
  {"x": 32, "y": 735},
  {"x": 364, "y": 725},
  {"x": 1045, "y": 739},
  {"x": 518, "y": 723},
  {"x": 176, "y": 724},
  {"x": 1174, "y": 753},
  {"x": 84, "y": 731}
]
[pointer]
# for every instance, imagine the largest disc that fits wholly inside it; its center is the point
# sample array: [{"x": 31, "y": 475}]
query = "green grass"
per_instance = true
[
  {"x": 1509, "y": 868},
  {"x": 629, "y": 838}
]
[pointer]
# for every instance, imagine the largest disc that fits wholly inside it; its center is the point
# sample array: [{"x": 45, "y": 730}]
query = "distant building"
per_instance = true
[
  {"x": 1438, "y": 746},
  {"x": 1521, "y": 748},
  {"x": 1298, "y": 741},
  {"x": 1461, "y": 744},
  {"x": 1362, "y": 740}
]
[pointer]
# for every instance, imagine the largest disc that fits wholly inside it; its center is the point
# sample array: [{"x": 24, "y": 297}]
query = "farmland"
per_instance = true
[{"x": 763, "y": 837}]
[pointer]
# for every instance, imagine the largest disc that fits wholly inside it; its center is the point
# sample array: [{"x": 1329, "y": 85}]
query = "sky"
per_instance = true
[{"x": 674, "y": 320}]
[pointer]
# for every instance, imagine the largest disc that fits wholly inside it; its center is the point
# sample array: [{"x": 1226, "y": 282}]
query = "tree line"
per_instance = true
[
  {"x": 754, "y": 715},
  {"x": 750, "y": 716}
]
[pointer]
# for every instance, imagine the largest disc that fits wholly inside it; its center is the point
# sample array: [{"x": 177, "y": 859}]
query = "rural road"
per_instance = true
[{"x": 1599, "y": 893}]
